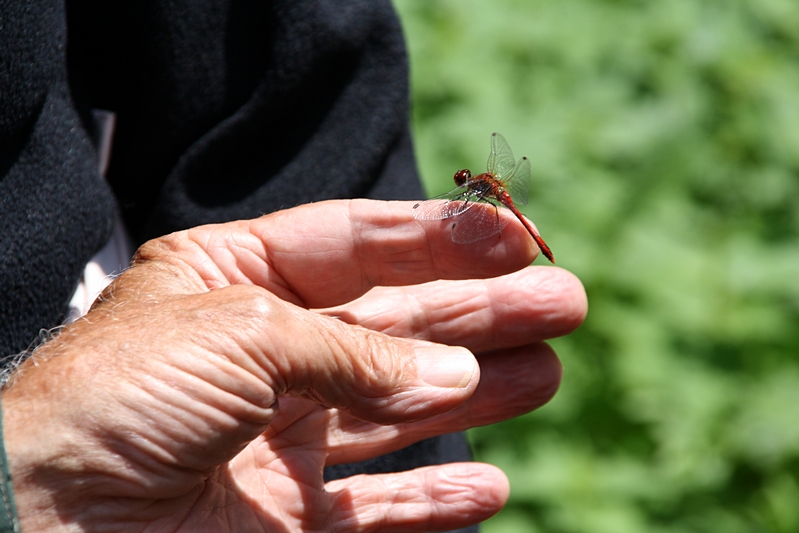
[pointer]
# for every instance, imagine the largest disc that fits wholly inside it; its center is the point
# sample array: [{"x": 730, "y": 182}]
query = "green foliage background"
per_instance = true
[{"x": 664, "y": 137}]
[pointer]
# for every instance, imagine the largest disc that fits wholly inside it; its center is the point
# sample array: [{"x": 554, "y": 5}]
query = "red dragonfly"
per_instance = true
[{"x": 506, "y": 181}]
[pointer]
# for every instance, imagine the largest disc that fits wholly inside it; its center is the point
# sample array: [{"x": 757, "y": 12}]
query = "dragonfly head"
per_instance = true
[{"x": 462, "y": 176}]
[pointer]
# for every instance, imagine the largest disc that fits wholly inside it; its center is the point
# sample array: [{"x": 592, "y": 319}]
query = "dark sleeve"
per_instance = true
[
  {"x": 229, "y": 110},
  {"x": 55, "y": 210}
]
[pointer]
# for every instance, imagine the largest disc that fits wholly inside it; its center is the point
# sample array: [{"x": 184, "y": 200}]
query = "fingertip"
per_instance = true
[
  {"x": 446, "y": 366},
  {"x": 517, "y": 381},
  {"x": 497, "y": 480},
  {"x": 575, "y": 305},
  {"x": 549, "y": 373},
  {"x": 474, "y": 245},
  {"x": 484, "y": 490},
  {"x": 559, "y": 296}
]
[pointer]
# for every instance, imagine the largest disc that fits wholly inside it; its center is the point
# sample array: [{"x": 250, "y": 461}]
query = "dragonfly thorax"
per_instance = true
[{"x": 485, "y": 186}]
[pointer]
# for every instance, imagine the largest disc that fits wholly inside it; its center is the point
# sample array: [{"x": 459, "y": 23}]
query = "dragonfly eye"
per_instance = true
[{"x": 462, "y": 176}]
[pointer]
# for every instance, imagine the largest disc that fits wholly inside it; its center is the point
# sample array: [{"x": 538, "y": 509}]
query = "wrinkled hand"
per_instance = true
[{"x": 213, "y": 381}]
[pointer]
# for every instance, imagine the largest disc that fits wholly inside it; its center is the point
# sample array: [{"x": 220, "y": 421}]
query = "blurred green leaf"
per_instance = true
[{"x": 664, "y": 138}]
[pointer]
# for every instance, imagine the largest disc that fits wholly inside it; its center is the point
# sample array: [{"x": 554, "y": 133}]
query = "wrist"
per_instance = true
[
  {"x": 9, "y": 521},
  {"x": 39, "y": 442}
]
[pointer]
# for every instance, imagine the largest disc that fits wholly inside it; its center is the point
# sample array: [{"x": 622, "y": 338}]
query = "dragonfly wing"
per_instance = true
[
  {"x": 445, "y": 206},
  {"x": 518, "y": 184},
  {"x": 500, "y": 161},
  {"x": 477, "y": 224}
]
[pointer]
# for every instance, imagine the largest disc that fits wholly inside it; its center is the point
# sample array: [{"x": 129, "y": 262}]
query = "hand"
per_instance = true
[{"x": 212, "y": 382}]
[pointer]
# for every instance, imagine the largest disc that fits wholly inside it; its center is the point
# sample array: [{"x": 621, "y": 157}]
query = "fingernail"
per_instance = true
[{"x": 445, "y": 366}]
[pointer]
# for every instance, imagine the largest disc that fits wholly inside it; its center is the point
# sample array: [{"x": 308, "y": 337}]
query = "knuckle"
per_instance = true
[
  {"x": 244, "y": 303},
  {"x": 375, "y": 361},
  {"x": 159, "y": 248}
]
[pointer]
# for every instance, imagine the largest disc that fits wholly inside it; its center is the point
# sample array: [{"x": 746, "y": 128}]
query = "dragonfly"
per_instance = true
[{"x": 505, "y": 183}]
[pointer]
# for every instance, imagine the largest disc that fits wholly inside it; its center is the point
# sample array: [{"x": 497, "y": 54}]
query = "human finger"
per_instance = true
[
  {"x": 513, "y": 382},
  {"x": 328, "y": 253},
  {"x": 517, "y": 309},
  {"x": 437, "y": 498}
]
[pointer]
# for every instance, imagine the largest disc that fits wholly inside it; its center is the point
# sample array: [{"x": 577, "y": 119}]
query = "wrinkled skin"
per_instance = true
[{"x": 211, "y": 383}]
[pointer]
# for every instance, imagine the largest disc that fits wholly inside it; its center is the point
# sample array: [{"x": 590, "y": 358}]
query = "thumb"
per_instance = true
[
  {"x": 380, "y": 378},
  {"x": 374, "y": 376}
]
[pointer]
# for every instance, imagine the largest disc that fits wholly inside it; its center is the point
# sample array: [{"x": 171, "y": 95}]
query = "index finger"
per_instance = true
[{"x": 328, "y": 253}]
